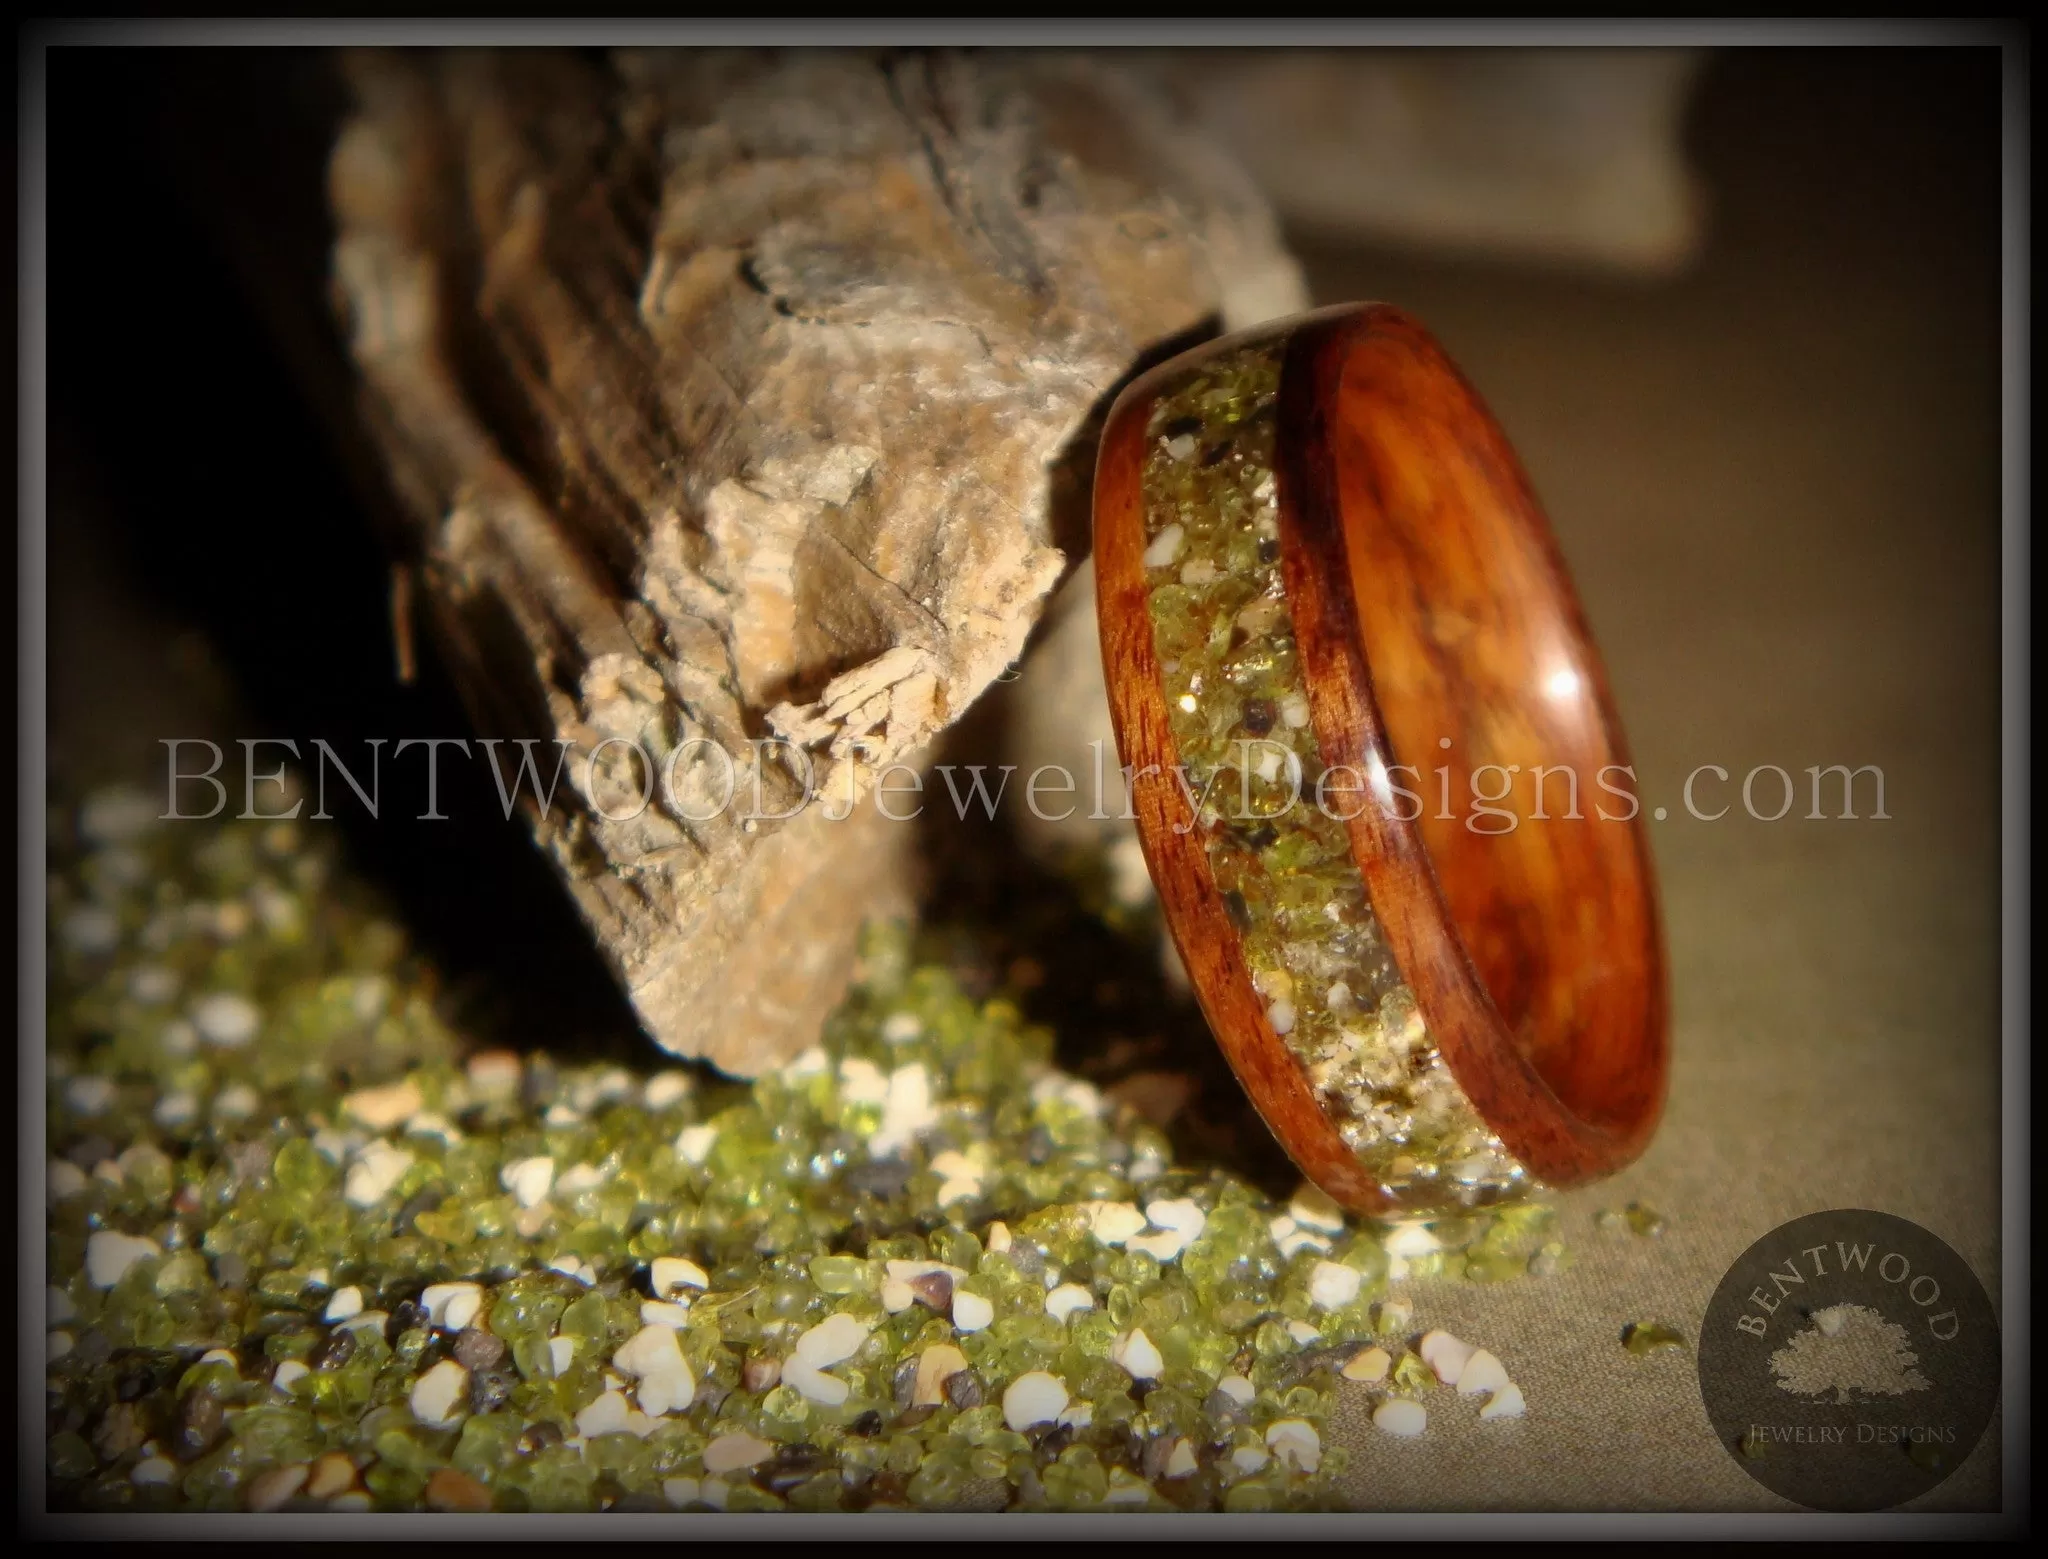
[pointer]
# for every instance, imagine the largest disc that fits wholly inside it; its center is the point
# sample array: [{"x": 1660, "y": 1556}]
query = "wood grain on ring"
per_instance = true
[
  {"x": 1430, "y": 602},
  {"x": 1437, "y": 628}
]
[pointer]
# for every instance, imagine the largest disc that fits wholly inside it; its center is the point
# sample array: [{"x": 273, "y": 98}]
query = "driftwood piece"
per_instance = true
[{"x": 727, "y": 393}]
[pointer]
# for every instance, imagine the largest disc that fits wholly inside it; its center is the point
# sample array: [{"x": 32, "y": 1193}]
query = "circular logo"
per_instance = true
[{"x": 1849, "y": 1360}]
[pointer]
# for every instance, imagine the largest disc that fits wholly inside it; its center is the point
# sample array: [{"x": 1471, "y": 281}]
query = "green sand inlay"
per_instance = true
[{"x": 1239, "y": 712}]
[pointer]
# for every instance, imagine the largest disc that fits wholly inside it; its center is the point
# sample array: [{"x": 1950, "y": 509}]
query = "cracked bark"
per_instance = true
[{"x": 736, "y": 402}]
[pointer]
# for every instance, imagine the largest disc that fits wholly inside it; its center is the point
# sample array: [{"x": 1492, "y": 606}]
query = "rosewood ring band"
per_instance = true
[{"x": 1376, "y": 768}]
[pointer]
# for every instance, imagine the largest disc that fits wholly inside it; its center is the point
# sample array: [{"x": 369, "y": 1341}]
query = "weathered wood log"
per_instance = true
[{"x": 727, "y": 395}]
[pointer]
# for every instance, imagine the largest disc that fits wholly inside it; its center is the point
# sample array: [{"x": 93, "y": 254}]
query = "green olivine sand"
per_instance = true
[
  {"x": 238, "y": 1162},
  {"x": 1643, "y": 1338}
]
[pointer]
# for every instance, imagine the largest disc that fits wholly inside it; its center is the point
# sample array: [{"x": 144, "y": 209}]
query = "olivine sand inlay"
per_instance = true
[{"x": 1239, "y": 712}]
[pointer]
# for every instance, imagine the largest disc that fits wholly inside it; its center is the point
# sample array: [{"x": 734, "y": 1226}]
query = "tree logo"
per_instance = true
[
  {"x": 1851, "y": 1350},
  {"x": 1849, "y": 1360}
]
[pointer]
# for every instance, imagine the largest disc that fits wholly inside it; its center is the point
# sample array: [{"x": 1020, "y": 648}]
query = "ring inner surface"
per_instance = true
[
  {"x": 1492, "y": 697},
  {"x": 1238, "y": 709}
]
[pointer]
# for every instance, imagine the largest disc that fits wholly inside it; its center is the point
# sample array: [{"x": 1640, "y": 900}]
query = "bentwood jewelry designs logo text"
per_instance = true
[
  {"x": 1849, "y": 1360},
  {"x": 771, "y": 780}
]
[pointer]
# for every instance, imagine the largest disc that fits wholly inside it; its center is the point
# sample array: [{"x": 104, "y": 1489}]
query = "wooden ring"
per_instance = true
[{"x": 1376, "y": 767}]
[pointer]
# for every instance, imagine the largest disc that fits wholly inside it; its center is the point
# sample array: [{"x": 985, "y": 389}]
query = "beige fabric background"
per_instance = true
[{"x": 1776, "y": 481}]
